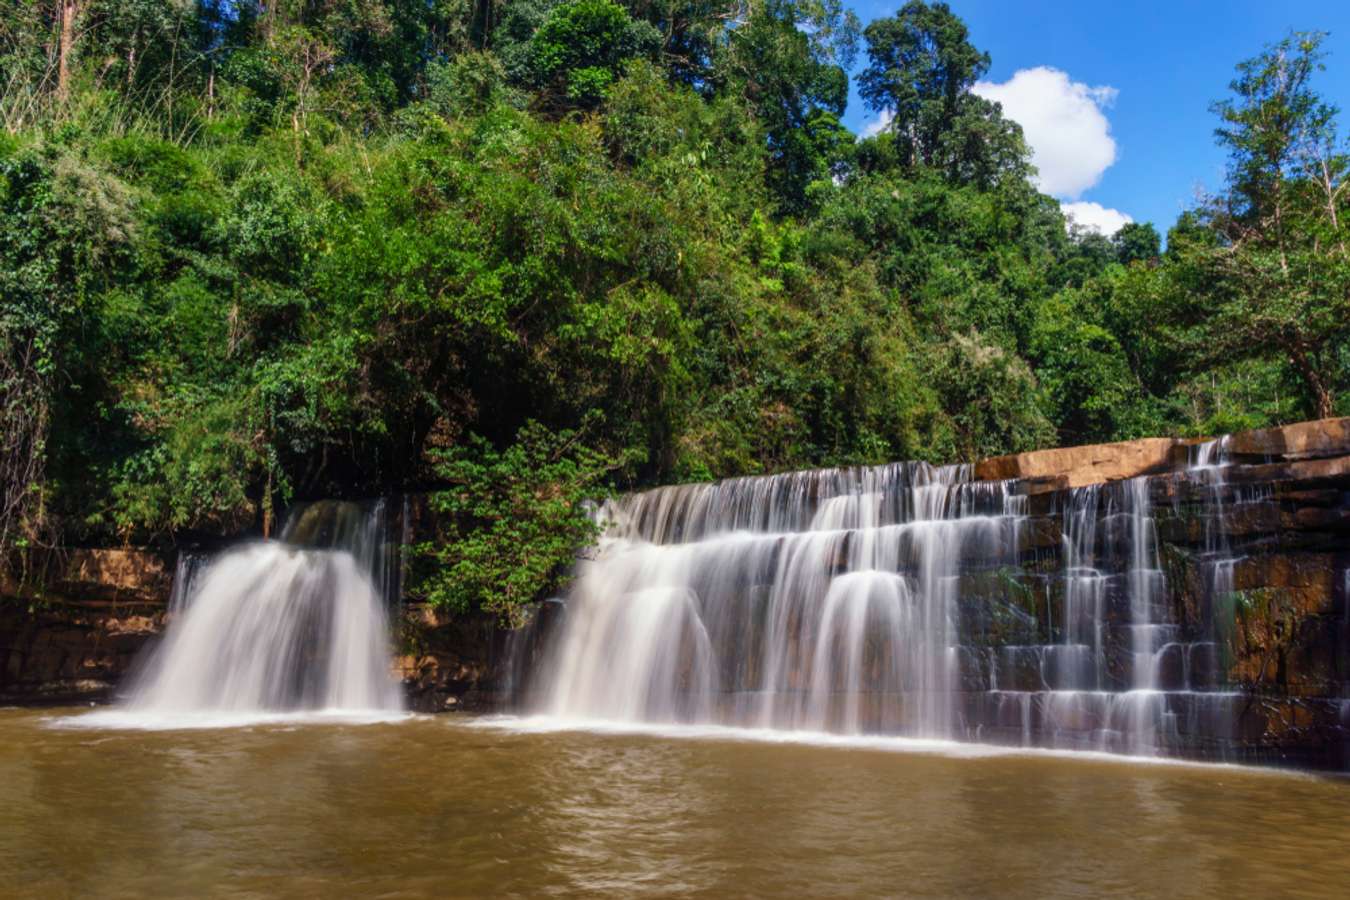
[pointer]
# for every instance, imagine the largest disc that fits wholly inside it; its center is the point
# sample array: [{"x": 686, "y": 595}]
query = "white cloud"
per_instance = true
[
  {"x": 1069, "y": 135},
  {"x": 1095, "y": 216},
  {"x": 877, "y": 125}
]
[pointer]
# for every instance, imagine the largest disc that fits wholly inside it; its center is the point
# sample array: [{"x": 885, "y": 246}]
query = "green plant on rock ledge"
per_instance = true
[{"x": 512, "y": 522}]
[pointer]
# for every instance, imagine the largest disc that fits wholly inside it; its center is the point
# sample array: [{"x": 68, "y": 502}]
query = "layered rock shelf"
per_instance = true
[{"x": 75, "y": 635}]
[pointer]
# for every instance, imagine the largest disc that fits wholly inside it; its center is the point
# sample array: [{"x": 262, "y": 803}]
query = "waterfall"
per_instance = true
[
  {"x": 1087, "y": 679},
  {"x": 278, "y": 626},
  {"x": 187, "y": 568},
  {"x": 905, "y": 600},
  {"x": 824, "y": 600}
]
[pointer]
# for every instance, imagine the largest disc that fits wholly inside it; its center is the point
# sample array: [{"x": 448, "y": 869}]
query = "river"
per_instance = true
[{"x": 455, "y": 806}]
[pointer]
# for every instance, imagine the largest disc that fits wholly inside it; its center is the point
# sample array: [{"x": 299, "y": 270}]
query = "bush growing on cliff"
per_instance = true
[{"x": 510, "y": 523}]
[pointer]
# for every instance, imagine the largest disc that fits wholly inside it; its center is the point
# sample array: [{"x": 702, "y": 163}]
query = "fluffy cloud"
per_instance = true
[
  {"x": 1095, "y": 216},
  {"x": 877, "y": 125},
  {"x": 1063, "y": 121}
]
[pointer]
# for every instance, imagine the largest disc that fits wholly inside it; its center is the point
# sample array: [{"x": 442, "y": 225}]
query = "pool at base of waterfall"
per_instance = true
[{"x": 457, "y": 806}]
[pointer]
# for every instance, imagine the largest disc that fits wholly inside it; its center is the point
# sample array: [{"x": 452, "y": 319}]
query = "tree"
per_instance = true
[
  {"x": 920, "y": 57},
  {"x": 1136, "y": 242},
  {"x": 70, "y": 13},
  {"x": 781, "y": 61},
  {"x": 1085, "y": 255},
  {"x": 1092, "y": 385},
  {"x": 921, "y": 67},
  {"x": 579, "y": 50},
  {"x": 64, "y": 229},
  {"x": 511, "y": 523},
  {"x": 1268, "y": 273},
  {"x": 992, "y": 396}
]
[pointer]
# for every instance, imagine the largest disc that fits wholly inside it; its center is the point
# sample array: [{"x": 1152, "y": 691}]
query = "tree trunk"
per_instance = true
[
  {"x": 70, "y": 13},
  {"x": 131, "y": 60},
  {"x": 1318, "y": 393}
]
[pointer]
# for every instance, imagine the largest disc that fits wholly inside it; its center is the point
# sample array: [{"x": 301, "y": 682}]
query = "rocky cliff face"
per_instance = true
[
  {"x": 77, "y": 638},
  {"x": 1252, "y": 657}
]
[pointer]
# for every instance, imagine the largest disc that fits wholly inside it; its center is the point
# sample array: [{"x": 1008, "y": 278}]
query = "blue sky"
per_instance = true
[{"x": 1150, "y": 68}]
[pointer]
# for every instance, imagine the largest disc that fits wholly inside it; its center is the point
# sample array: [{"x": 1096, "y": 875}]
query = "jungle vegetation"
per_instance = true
[{"x": 517, "y": 252}]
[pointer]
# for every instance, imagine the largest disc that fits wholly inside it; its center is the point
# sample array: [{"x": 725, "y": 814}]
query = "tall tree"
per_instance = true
[
  {"x": 921, "y": 67},
  {"x": 1136, "y": 242},
  {"x": 788, "y": 60},
  {"x": 70, "y": 13},
  {"x": 580, "y": 50},
  {"x": 1267, "y": 275}
]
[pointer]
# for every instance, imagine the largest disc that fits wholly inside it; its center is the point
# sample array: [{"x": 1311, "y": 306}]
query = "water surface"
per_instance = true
[{"x": 452, "y": 806}]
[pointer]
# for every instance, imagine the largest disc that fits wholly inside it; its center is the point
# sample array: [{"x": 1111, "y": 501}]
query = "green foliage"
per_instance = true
[
  {"x": 794, "y": 81},
  {"x": 964, "y": 257},
  {"x": 921, "y": 67},
  {"x": 580, "y": 48},
  {"x": 1137, "y": 242},
  {"x": 253, "y": 252},
  {"x": 1262, "y": 272},
  {"x": 511, "y": 522},
  {"x": 920, "y": 57},
  {"x": 987, "y": 390},
  {"x": 1093, "y": 391}
]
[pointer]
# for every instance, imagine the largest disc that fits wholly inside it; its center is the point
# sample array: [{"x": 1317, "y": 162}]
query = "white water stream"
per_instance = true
[
  {"x": 273, "y": 630},
  {"x": 899, "y": 600}
]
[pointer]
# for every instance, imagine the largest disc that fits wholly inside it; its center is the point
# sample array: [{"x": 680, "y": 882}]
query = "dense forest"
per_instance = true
[{"x": 518, "y": 250}]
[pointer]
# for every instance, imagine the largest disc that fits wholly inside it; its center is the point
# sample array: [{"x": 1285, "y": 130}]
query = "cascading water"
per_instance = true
[
  {"x": 186, "y": 571},
  {"x": 1093, "y": 683},
  {"x": 821, "y": 600},
  {"x": 278, "y": 627},
  {"x": 902, "y": 600}
]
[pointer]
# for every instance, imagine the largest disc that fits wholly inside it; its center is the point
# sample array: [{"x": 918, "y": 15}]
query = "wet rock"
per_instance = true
[{"x": 66, "y": 652}]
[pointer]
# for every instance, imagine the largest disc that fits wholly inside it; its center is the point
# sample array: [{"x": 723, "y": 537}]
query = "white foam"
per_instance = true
[
  {"x": 873, "y": 742},
  {"x": 142, "y": 720}
]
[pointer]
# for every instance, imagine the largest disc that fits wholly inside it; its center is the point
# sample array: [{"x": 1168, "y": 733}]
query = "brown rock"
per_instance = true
[
  {"x": 1307, "y": 472},
  {"x": 132, "y": 625},
  {"x": 1070, "y": 467},
  {"x": 116, "y": 574},
  {"x": 1314, "y": 571},
  {"x": 1302, "y": 440}
]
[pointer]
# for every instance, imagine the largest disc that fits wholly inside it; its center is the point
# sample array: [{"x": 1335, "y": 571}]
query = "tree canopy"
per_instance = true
[{"x": 253, "y": 253}]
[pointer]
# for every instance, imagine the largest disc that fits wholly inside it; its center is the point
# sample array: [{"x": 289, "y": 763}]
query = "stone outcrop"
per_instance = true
[
  {"x": 70, "y": 652},
  {"x": 75, "y": 635},
  {"x": 114, "y": 575},
  {"x": 1070, "y": 467},
  {"x": 1302, "y": 440},
  {"x": 450, "y": 662}
]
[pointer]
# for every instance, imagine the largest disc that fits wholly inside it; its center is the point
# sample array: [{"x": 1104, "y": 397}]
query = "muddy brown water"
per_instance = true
[{"x": 446, "y": 806}]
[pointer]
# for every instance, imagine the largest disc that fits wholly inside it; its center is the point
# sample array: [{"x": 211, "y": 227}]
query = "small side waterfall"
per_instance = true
[
  {"x": 185, "y": 574},
  {"x": 279, "y": 626}
]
